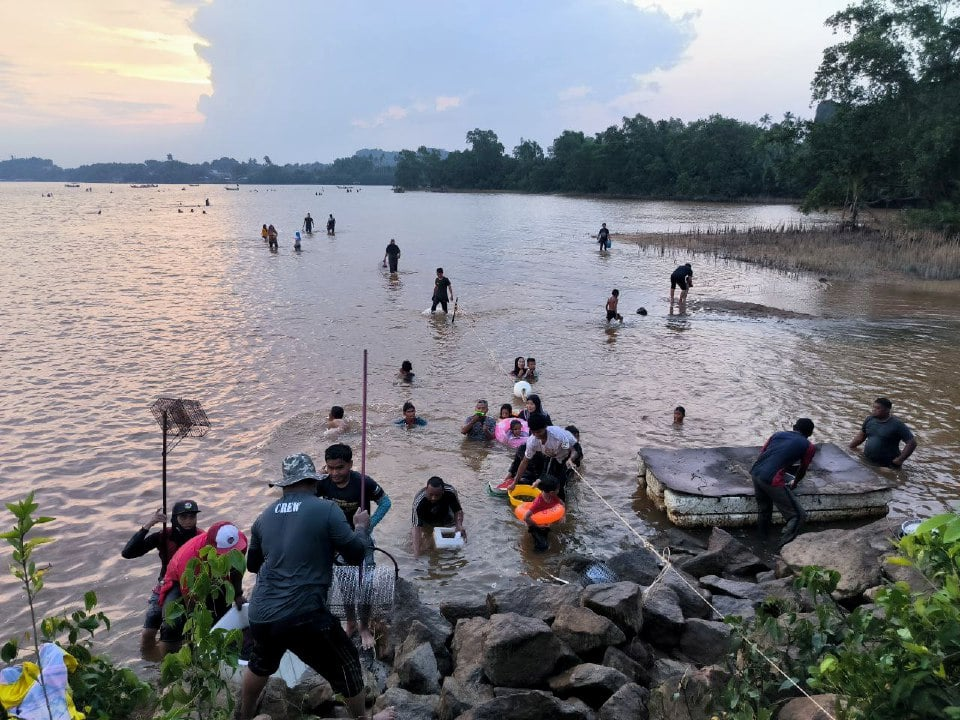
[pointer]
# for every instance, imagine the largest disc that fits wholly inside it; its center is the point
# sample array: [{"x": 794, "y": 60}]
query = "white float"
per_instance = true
[
  {"x": 447, "y": 538},
  {"x": 521, "y": 389}
]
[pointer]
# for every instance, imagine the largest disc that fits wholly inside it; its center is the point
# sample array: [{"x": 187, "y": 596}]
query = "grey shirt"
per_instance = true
[
  {"x": 883, "y": 438},
  {"x": 292, "y": 545}
]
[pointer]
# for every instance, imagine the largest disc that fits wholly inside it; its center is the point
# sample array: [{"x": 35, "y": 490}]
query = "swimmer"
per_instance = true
[
  {"x": 679, "y": 413},
  {"x": 612, "y": 303},
  {"x": 519, "y": 367},
  {"x": 335, "y": 422},
  {"x": 406, "y": 374}
]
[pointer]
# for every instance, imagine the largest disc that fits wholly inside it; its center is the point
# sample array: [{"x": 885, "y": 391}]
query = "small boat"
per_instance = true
[
  {"x": 227, "y": 187},
  {"x": 398, "y": 189},
  {"x": 71, "y": 184},
  {"x": 143, "y": 186},
  {"x": 711, "y": 487}
]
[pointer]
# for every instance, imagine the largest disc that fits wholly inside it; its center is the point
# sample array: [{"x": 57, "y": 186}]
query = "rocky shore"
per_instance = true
[{"x": 651, "y": 644}]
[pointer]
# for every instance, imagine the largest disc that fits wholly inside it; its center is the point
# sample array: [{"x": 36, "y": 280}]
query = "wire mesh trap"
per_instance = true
[
  {"x": 365, "y": 594},
  {"x": 180, "y": 418}
]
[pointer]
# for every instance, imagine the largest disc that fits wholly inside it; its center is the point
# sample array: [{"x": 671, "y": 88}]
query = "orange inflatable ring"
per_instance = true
[
  {"x": 523, "y": 493},
  {"x": 543, "y": 518}
]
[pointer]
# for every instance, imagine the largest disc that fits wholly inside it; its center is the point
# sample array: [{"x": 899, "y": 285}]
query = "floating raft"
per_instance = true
[{"x": 711, "y": 487}]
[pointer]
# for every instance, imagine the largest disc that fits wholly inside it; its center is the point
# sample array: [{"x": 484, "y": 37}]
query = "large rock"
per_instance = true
[
  {"x": 585, "y": 632},
  {"x": 639, "y": 565},
  {"x": 725, "y": 555},
  {"x": 734, "y": 588},
  {"x": 694, "y": 600},
  {"x": 726, "y": 605},
  {"x": 521, "y": 651},
  {"x": 668, "y": 670},
  {"x": 406, "y": 609},
  {"x": 536, "y": 601},
  {"x": 858, "y": 555},
  {"x": 417, "y": 670},
  {"x": 627, "y": 703},
  {"x": 688, "y": 698},
  {"x": 312, "y": 691},
  {"x": 705, "y": 642},
  {"x": 456, "y": 697},
  {"x": 454, "y": 610},
  {"x": 663, "y": 618},
  {"x": 619, "y": 660},
  {"x": 621, "y": 602},
  {"x": 802, "y": 708},
  {"x": 408, "y": 705},
  {"x": 467, "y": 649},
  {"x": 594, "y": 684},
  {"x": 530, "y": 705}
]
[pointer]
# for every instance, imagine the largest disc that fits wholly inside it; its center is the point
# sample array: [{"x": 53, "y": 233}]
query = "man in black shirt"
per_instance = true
[
  {"x": 392, "y": 255},
  {"x": 436, "y": 505},
  {"x": 442, "y": 290},
  {"x": 682, "y": 277}
]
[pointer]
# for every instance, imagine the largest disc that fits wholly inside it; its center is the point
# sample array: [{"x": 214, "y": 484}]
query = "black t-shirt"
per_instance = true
[
  {"x": 440, "y": 286},
  {"x": 348, "y": 497},
  {"x": 681, "y": 274},
  {"x": 438, "y": 514},
  {"x": 603, "y": 234},
  {"x": 393, "y": 250}
]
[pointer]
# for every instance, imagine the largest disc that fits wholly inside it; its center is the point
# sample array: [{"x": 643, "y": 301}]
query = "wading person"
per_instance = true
[
  {"x": 682, "y": 277},
  {"x": 183, "y": 527},
  {"x": 612, "y": 302},
  {"x": 392, "y": 255},
  {"x": 788, "y": 451},
  {"x": 555, "y": 445},
  {"x": 480, "y": 426},
  {"x": 436, "y": 505},
  {"x": 442, "y": 291},
  {"x": 292, "y": 546},
  {"x": 307, "y": 224},
  {"x": 883, "y": 433},
  {"x": 603, "y": 237},
  {"x": 410, "y": 418},
  {"x": 331, "y": 225}
]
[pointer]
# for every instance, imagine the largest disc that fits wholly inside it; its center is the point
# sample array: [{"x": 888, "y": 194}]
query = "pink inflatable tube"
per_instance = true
[{"x": 503, "y": 434}]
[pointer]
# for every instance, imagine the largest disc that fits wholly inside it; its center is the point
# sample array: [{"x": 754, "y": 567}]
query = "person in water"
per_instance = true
[
  {"x": 547, "y": 499},
  {"x": 602, "y": 236},
  {"x": 519, "y": 367},
  {"x": 531, "y": 406},
  {"x": 785, "y": 451},
  {"x": 442, "y": 291},
  {"x": 612, "y": 303},
  {"x": 883, "y": 433},
  {"x": 296, "y": 240},
  {"x": 410, "y": 419},
  {"x": 479, "y": 426},
  {"x": 392, "y": 255},
  {"x": 679, "y": 413},
  {"x": 531, "y": 369},
  {"x": 682, "y": 277},
  {"x": 265, "y": 233},
  {"x": 272, "y": 236},
  {"x": 183, "y": 527},
  {"x": 406, "y": 374},
  {"x": 576, "y": 453},
  {"x": 506, "y": 411},
  {"x": 436, "y": 505},
  {"x": 554, "y": 443},
  {"x": 335, "y": 422},
  {"x": 331, "y": 225},
  {"x": 308, "y": 224}
]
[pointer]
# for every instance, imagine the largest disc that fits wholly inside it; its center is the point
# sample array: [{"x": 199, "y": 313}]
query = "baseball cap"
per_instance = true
[
  {"x": 185, "y": 506},
  {"x": 225, "y": 536},
  {"x": 296, "y": 468}
]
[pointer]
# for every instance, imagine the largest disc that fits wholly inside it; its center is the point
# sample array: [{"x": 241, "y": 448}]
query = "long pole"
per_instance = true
[
  {"x": 363, "y": 455},
  {"x": 163, "y": 474}
]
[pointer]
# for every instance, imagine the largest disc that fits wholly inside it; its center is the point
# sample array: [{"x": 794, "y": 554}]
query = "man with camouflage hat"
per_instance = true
[
  {"x": 183, "y": 528},
  {"x": 292, "y": 545}
]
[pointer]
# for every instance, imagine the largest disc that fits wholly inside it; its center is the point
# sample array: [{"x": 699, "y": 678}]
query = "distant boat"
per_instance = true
[
  {"x": 194, "y": 184},
  {"x": 71, "y": 184},
  {"x": 231, "y": 188},
  {"x": 398, "y": 188},
  {"x": 142, "y": 186}
]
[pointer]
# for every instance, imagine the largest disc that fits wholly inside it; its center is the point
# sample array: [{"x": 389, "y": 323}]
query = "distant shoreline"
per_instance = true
[{"x": 829, "y": 251}]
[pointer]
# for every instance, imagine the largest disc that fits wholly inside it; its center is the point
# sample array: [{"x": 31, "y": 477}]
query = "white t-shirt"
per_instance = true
[{"x": 558, "y": 444}]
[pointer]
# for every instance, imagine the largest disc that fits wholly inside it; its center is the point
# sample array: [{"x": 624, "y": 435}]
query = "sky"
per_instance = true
[{"x": 85, "y": 81}]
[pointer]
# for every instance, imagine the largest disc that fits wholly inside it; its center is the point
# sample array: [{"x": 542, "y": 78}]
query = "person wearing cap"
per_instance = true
[
  {"x": 782, "y": 463},
  {"x": 436, "y": 505},
  {"x": 224, "y": 536},
  {"x": 292, "y": 546},
  {"x": 183, "y": 527},
  {"x": 554, "y": 443}
]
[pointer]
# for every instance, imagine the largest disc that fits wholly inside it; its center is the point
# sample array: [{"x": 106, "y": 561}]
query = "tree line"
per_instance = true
[{"x": 886, "y": 134}]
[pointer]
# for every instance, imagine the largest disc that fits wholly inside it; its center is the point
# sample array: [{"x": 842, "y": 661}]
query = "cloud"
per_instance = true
[
  {"x": 444, "y": 103},
  {"x": 574, "y": 93}
]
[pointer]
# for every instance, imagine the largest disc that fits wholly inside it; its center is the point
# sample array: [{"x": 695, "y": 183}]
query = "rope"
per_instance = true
[{"x": 664, "y": 556}]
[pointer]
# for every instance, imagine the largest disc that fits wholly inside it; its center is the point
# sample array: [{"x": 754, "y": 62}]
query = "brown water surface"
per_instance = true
[{"x": 104, "y": 312}]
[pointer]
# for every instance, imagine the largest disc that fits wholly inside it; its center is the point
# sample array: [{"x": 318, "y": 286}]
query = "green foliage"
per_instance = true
[
  {"x": 193, "y": 684},
  {"x": 100, "y": 689},
  {"x": 898, "y": 659}
]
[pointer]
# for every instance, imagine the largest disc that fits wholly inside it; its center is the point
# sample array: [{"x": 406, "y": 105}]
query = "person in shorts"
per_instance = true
[
  {"x": 292, "y": 546},
  {"x": 682, "y": 277}
]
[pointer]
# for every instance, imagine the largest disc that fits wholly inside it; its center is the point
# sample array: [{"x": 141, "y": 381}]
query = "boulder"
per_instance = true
[
  {"x": 585, "y": 632},
  {"x": 621, "y": 602},
  {"x": 689, "y": 698},
  {"x": 734, "y": 588},
  {"x": 639, "y": 565},
  {"x": 704, "y": 641},
  {"x": 726, "y": 605},
  {"x": 802, "y": 708},
  {"x": 407, "y": 608},
  {"x": 467, "y": 649},
  {"x": 408, "y": 705},
  {"x": 594, "y": 684},
  {"x": 521, "y": 651},
  {"x": 619, "y": 660},
  {"x": 668, "y": 669},
  {"x": 417, "y": 669},
  {"x": 858, "y": 554},
  {"x": 275, "y": 701},
  {"x": 663, "y": 618},
  {"x": 311, "y": 691},
  {"x": 725, "y": 555},
  {"x": 536, "y": 601},
  {"x": 456, "y": 697},
  {"x": 694, "y": 600},
  {"x": 630, "y": 701},
  {"x": 454, "y": 610},
  {"x": 528, "y": 705}
]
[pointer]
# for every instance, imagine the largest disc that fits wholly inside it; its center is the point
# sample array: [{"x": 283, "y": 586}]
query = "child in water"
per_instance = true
[
  {"x": 335, "y": 423},
  {"x": 516, "y": 430},
  {"x": 406, "y": 374},
  {"x": 547, "y": 499},
  {"x": 506, "y": 411},
  {"x": 612, "y": 303}
]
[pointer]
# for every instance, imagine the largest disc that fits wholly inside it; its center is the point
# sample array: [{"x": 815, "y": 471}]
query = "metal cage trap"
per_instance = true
[
  {"x": 363, "y": 592},
  {"x": 179, "y": 418}
]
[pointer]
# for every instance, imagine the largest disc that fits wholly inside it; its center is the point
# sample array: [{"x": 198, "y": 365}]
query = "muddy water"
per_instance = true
[{"x": 104, "y": 312}]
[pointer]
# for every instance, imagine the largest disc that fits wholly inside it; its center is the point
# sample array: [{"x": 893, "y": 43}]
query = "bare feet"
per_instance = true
[{"x": 388, "y": 713}]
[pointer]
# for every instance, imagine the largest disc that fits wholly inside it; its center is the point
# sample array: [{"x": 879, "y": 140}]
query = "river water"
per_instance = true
[{"x": 113, "y": 297}]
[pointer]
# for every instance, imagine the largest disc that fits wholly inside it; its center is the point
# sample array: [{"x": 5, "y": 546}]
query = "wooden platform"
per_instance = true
[{"x": 704, "y": 487}]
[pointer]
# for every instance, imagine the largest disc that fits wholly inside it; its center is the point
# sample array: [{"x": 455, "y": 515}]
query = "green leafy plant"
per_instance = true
[
  {"x": 194, "y": 684},
  {"x": 100, "y": 689}
]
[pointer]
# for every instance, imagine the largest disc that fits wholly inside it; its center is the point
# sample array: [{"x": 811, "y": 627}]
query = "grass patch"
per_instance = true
[{"x": 825, "y": 250}]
